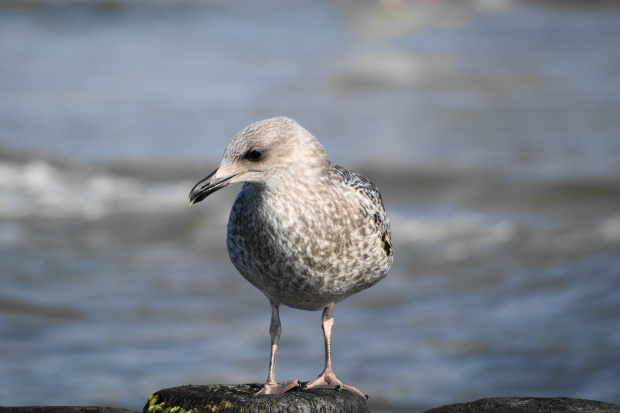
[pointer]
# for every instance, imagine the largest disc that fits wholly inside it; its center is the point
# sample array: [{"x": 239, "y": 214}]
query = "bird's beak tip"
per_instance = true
[{"x": 206, "y": 187}]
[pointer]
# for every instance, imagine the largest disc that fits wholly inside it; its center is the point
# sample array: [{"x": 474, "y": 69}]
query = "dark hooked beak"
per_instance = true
[{"x": 207, "y": 186}]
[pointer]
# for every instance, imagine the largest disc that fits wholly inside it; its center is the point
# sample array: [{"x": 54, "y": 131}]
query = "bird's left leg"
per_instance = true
[
  {"x": 328, "y": 379},
  {"x": 271, "y": 387}
]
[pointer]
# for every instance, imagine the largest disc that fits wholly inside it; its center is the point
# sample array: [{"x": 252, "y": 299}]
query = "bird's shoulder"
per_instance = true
[{"x": 356, "y": 182}]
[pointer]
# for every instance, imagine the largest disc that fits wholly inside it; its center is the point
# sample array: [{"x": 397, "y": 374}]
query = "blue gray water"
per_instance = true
[{"x": 491, "y": 128}]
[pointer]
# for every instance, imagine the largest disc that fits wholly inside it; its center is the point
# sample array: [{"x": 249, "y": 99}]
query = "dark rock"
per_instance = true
[
  {"x": 528, "y": 405},
  {"x": 63, "y": 409},
  {"x": 235, "y": 398}
]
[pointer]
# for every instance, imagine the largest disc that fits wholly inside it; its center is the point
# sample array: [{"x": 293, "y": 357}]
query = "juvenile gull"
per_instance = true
[{"x": 306, "y": 232}]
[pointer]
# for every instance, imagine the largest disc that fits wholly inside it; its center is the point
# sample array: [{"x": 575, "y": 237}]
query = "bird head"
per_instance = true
[{"x": 263, "y": 154}]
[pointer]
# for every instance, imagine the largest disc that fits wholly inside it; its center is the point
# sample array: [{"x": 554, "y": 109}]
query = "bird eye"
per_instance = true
[{"x": 254, "y": 155}]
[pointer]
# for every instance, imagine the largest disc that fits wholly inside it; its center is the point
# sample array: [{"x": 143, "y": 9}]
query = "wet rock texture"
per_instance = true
[
  {"x": 63, "y": 409},
  {"x": 221, "y": 398},
  {"x": 528, "y": 405},
  {"x": 240, "y": 398}
]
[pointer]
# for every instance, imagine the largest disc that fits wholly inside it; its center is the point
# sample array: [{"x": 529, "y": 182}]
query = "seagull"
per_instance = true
[{"x": 304, "y": 231}]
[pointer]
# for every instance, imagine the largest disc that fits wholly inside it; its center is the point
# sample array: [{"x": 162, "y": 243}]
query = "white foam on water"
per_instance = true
[{"x": 40, "y": 189}]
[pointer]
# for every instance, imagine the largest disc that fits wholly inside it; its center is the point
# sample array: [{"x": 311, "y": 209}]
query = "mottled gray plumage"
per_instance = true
[
  {"x": 303, "y": 230},
  {"x": 312, "y": 241}
]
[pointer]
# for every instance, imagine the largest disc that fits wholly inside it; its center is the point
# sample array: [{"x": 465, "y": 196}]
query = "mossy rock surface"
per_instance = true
[{"x": 222, "y": 398}]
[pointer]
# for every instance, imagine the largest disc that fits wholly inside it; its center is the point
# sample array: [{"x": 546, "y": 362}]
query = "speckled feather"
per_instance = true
[{"x": 307, "y": 232}]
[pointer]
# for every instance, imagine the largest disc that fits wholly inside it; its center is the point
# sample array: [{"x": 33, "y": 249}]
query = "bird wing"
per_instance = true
[{"x": 371, "y": 198}]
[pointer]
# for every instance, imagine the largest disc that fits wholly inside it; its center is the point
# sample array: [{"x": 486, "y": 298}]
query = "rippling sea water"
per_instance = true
[{"x": 491, "y": 129}]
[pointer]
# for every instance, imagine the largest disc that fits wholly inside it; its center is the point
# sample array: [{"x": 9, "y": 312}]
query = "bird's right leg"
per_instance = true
[{"x": 271, "y": 387}]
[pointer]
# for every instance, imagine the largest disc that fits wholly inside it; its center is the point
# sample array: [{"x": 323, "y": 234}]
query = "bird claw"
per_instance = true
[
  {"x": 278, "y": 388},
  {"x": 328, "y": 382}
]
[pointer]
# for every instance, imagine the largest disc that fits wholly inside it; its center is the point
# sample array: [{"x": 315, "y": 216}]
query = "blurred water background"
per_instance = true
[{"x": 492, "y": 128}]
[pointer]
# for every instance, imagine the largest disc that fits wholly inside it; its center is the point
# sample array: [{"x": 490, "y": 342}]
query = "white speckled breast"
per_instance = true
[{"x": 311, "y": 241}]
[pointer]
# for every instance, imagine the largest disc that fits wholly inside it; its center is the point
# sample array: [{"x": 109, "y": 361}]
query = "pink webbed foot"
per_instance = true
[
  {"x": 277, "y": 388},
  {"x": 327, "y": 380}
]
